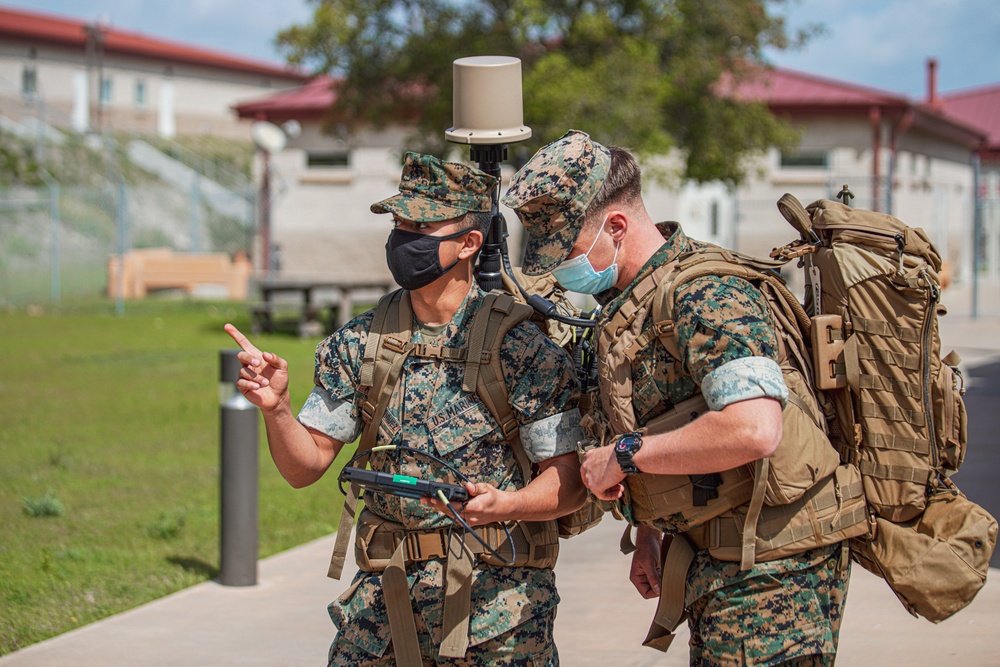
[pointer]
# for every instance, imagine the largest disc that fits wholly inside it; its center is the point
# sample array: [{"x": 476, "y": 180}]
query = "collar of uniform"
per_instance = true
[
  {"x": 455, "y": 330},
  {"x": 677, "y": 243}
]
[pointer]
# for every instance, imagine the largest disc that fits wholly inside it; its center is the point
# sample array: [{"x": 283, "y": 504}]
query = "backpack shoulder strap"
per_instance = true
[
  {"x": 499, "y": 313},
  {"x": 715, "y": 261},
  {"x": 386, "y": 349}
]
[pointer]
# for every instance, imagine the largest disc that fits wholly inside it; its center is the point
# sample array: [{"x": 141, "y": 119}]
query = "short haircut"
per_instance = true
[
  {"x": 623, "y": 184},
  {"x": 478, "y": 220}
]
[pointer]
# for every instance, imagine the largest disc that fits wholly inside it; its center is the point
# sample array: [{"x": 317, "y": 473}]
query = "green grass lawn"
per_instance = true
[{"x": 109, "y": 482}]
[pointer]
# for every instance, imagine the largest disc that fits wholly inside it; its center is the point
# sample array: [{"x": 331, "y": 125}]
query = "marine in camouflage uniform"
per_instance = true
[
  {"x": 785, "y": 611},
  {"x": 512, "y": 608}
]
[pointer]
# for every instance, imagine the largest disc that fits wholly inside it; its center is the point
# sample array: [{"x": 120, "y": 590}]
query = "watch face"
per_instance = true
[{"x": 627, "y": 443}]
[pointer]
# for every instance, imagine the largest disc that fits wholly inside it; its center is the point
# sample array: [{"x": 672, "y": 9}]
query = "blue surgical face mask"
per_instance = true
[{"x": 578, "y": 274}]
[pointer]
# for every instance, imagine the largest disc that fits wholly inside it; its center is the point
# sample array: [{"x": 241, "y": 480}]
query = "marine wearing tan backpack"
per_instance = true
[
  {"x": 893, "y": 405},
  {"x": 800, "y": 498},
  {"x": 864, "y": 375}
]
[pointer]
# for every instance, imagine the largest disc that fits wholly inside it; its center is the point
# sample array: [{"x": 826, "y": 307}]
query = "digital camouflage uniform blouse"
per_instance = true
[{"x": 429, "y": 411}]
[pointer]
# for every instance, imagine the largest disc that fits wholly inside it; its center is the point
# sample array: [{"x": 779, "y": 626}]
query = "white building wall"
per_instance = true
[
  {"x": 202, "y": 96},
  {"x": 322, "y": 225},
  {"x": 931, "y": 186}
]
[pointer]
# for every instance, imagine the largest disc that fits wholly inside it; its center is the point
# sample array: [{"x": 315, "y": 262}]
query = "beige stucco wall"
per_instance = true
[
  {"x": 199, "y": 97},
  {"x": 323, "y": 225}
]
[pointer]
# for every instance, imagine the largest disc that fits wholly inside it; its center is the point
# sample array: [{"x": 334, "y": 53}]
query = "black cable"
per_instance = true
[
  {"x": 466, "y": 528},
  {"x": 543, "y": 306}
]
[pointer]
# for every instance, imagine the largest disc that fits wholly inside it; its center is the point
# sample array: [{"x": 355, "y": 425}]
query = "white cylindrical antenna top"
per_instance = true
[{"x": 487, "y": 103}]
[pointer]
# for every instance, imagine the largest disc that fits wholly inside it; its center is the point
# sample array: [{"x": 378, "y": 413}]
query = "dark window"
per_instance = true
[
  {"x": 713, "y": 221},
  {"x": 804, "y": 159},
  {"x": 106, "y": 90},
  {"x": 29, "y": 81},
  {"x": 328, "y": 159}
]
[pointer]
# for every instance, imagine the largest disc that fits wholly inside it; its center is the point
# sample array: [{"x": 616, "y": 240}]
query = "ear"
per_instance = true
[
  {"x": 471, "y": 243},
  {"x": 617, "y": 224}
]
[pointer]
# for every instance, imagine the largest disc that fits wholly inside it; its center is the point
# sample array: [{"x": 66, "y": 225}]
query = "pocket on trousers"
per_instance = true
[{"x": 780, "y": 647}]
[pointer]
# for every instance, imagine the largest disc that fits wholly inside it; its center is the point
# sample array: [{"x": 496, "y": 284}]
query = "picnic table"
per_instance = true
[{"x": 303, "y": 303}]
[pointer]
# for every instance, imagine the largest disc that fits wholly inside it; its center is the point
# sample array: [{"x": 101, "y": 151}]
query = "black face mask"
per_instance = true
[{"x": 413, "y": 258}]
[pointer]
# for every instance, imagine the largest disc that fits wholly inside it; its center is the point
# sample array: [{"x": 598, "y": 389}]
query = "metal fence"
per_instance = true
[{"x": 56, "y": 240}]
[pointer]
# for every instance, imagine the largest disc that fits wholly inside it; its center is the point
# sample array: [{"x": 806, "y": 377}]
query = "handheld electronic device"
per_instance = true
[{"x": 402, "y": 485}]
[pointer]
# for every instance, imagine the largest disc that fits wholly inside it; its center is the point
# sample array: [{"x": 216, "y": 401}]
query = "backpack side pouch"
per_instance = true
[{"x": 937, "y": 562}]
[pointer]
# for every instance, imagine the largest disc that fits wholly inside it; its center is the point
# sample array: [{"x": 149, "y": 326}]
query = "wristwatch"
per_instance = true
[{"x": 626, "y": 446}]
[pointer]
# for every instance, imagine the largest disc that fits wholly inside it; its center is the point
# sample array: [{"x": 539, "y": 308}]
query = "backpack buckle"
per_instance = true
[
  {"x": 393, "y": 343},
  {"x": 664, "y": 328},
  {"x": 424, "y": 545},
  {"x": 509, "y": 428}
]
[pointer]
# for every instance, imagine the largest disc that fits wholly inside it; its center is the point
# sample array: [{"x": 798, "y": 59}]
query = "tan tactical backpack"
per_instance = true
[
  {"x": 894, "y": 406},
  {"x": 820, "y": 500},
  {"x": 802, "y": 497}
]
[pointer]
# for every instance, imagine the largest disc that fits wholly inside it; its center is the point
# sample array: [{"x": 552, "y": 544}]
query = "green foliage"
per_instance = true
[
  {"x": 225, "y": 161},
  {"x": 644, "y": 74},
  {"x": 43, "y": 506},
  {"x": 122, "y": 423},
  {"x": 18, "y": 163}
]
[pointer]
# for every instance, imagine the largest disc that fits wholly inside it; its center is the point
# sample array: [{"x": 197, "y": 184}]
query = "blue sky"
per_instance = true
[{"x": 879, "y": 43}]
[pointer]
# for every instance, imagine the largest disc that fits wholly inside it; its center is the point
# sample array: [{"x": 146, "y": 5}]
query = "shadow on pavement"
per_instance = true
[{"x": 981, "y": 470}]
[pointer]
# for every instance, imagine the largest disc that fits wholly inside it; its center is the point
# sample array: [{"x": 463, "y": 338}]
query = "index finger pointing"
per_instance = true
[{"x": 241, "y": 340}]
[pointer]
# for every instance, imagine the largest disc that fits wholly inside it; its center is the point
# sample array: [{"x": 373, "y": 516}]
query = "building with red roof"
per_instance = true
[
  {"x": 911, "y": 158},
  {"x": 93, "y": 76},
  {"x": 979, "y": 108}
]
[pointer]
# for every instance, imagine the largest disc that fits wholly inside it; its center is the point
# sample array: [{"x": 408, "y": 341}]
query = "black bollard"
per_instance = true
[{"x": 238, "y": 479}]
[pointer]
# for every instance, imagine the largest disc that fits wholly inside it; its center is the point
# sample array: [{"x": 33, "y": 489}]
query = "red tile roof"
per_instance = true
[
  {"x": 788, "y": 89},
  {"x": 787, "y": 92},
  {"x": 46, "y": 28},
  {"x": 979, "y": 108},
  {"x": 312, "y": 100}
]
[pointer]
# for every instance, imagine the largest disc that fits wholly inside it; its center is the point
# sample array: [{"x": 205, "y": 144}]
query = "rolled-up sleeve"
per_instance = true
[
  {"x": 552, "y": 436},
  {"x": 336, "y": 417},
  {"x": 743, "y": 379}
]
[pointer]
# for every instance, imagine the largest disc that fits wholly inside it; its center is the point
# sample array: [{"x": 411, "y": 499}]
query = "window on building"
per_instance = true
[
  {"x": 713, "y": 219},
  {"x": 140, "y": 94},
  {"x": 328, "y": 159},
  {"x": 29, "y": 81},
  {"x": 105, "y": 90},
  {"x": 804, "y": 159}
]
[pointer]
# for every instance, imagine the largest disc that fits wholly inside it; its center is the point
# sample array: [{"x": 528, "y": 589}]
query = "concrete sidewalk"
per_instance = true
[{"x": 282, "y": 622}]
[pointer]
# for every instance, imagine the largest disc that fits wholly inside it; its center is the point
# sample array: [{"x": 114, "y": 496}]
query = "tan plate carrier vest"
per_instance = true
[
  {"x": 388, "y": 547},
  {"x": 798, "y": 499}
]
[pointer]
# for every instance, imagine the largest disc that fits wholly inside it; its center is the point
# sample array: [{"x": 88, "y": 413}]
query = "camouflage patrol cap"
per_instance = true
[
  {"x": 432, "y": 190},
  {"x": 550, "y": 195}
]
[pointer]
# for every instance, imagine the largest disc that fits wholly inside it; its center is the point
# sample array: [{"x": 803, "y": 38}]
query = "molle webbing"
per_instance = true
[
  {"x": 832, "y": 511},
  {"x": 378, "y": 539}
]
